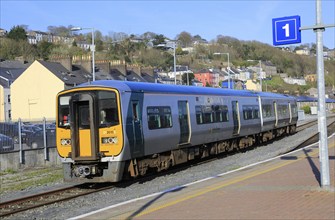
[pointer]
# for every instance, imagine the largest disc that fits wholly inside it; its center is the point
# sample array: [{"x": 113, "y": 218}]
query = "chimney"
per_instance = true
[
  {"x": 103, "y": 65},
  {"x": 65, "y": 61},
  {"x": 120, "y": 66},
  {"x": 85, "y": 62}
]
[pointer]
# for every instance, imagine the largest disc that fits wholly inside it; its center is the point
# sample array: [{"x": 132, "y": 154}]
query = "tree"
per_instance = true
[
  {"x": 159, "y": 39},
  {"x": 185, "y": 39},
  {"x": 44, "y": 49},
  {"x": 17, "y": 33},
  {"x": 190, "y": 78}
]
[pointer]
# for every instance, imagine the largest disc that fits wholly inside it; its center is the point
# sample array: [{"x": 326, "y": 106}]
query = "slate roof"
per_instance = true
[
  {"x": 11, "y": 70},
  {"x": 71, "y": 78}
]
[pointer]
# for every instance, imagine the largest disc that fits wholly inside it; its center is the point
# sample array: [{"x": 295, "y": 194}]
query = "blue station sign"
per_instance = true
[{"x": 286, "y": 30}]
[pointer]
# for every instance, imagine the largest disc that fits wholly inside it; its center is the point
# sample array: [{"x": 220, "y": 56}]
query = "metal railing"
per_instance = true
[{"x": 27, "y": 135}]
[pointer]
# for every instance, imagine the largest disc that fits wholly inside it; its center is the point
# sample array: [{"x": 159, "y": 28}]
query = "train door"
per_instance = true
[
  {"x": 290, "y": 111},
  {"x": 84, "y": 137},
  {"x": 137, "y": 127},
  {"x": 276, "y": 113},
  {"x": 184, "y": 122},
  {"x": 134, "y": 127},
  {"x": 236, "y": 118}
]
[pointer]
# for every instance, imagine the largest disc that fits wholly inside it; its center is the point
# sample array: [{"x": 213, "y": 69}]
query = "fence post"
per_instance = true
[
  {"x": 45, "y": 139},
  {"x": 20, "y": 141}
]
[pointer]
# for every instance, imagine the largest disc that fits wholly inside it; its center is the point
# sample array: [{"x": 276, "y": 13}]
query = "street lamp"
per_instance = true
[
  {"x": 92, "y": 47},
  {"x": 174, "y": 62},
  {"x": 227, "y": 67}
]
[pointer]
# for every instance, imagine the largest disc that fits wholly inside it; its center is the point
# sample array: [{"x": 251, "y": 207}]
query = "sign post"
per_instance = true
[{"x": 286, "y": 30}]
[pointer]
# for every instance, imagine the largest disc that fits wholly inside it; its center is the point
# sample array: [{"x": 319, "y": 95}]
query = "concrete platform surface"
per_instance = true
[{"x": 287, "y": 187}]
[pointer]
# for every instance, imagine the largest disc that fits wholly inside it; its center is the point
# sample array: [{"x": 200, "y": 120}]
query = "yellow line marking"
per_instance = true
[{"x": 253, "y": 174}]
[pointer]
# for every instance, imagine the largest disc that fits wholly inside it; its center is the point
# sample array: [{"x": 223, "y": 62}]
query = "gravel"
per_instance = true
[{"x": 163, "y": 182}]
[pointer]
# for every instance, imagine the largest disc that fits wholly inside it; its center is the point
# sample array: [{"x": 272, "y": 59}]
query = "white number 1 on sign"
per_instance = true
[{"x": 287, "y": 30}]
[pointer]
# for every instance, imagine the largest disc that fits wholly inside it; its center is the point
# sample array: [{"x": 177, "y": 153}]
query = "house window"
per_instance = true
[{"x": 8, "y": 99}]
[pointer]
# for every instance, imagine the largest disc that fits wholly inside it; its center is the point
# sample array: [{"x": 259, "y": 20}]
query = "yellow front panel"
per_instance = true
[
  {"x": 63, "y": 150},
  {"x": 115, "y": 148},
  {"x": 85, "y": 143}
]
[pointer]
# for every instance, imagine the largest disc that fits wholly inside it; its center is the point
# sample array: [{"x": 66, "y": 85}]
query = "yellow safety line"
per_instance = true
[{"x": 253, "y": 174}]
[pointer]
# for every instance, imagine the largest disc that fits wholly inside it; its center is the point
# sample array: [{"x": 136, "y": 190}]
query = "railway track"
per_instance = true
[
  {"x": 68, "y": 193},
  {"x": 49, "y": 197}
]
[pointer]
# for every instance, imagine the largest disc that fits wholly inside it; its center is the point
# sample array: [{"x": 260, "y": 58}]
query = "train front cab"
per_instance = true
[{"x": 89, "y": 134}]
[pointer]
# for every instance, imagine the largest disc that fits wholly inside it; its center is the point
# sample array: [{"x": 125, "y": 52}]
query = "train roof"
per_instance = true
[{"x": 178, "y": 89}]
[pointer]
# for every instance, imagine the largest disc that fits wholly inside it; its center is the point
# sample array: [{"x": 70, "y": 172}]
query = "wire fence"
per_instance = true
[{"x": 27, "y": 135}]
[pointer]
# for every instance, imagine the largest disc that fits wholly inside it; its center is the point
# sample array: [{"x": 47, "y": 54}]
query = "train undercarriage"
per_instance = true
[{"x": 163, "y": 161}]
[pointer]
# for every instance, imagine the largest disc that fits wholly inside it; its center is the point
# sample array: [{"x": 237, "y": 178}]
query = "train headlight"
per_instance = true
[
  {"x": 65, "y": 142},
  {"x": 109, "y": 140}
]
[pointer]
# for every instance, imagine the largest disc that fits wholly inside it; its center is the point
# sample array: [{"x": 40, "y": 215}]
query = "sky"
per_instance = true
[{"x": 241, "y": 19}]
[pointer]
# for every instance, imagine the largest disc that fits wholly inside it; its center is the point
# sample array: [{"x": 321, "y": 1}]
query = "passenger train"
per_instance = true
[{"x": 110, "y": 130}]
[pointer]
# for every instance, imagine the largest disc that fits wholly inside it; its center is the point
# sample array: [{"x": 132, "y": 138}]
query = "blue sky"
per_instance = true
[{"x": 244, "y": 20}]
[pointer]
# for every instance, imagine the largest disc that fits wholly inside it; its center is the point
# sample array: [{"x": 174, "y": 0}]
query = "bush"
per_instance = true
[{"x": 307, "y": 109}]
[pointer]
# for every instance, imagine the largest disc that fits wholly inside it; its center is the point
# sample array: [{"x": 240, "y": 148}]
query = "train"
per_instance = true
[{"x": 108, "y": 130}]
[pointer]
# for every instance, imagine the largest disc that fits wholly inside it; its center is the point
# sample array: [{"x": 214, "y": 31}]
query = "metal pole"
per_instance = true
[
  {"x": 93, "y": 61},
  {"x": 45, "y": 139},
  {"x": 20, "y": 141},
  {"x": 174, "y": 62},
  {"x": 228, "y": 72},
  {"x": 323, "y": 147},
  {"x": 260, "y": 74}
]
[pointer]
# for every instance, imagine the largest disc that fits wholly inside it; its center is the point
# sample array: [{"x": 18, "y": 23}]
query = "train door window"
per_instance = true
[
  {"x": 135, "y": 111},
  {"x": 108, "y": 109},
  {"x": 84, "y": 115},
  {"x": 63, "y": 111}
]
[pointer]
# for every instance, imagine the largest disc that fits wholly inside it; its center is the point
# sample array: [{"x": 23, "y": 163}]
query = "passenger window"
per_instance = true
[
  {"x": 267, "y": 111},
  {"x": 250, "y": 112},
  {"x": 108, "y": 109},
  {"x": 211, "y": 114},
  {"x": 159, "y": 117}
]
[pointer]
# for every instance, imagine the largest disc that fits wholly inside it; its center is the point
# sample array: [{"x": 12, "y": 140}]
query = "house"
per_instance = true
[
  {"x": 252, "y": 85},
  {"x": 35, "y": 37},
  {"x": 292, "y": 81},
  {"x": 10, "y": 70},
  {"x": 205, "y": 76},
  {"x": 3, "y": 32},
  {"x": 303, "y": 51},
  {"x": 311, "y": 77},
  {"x": 33, "y": 93}
]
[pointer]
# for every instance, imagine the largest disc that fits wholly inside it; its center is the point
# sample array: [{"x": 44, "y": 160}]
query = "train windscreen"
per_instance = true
[{"x": 107, "y": 110}]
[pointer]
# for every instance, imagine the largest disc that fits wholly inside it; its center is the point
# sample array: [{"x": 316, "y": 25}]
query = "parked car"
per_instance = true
[
  {"x": 6, "y": 143},
  {"x": 36, "y": 139}
]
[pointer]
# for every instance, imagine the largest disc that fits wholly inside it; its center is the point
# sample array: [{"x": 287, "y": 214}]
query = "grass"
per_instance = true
[{"x": 17, "y": 181}]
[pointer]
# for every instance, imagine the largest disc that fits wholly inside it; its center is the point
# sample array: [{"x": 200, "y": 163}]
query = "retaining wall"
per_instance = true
[{"x": 30, "y": 158}]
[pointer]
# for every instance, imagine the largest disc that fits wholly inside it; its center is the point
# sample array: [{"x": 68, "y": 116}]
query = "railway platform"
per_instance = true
[{"x": 287, "y": 187}]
